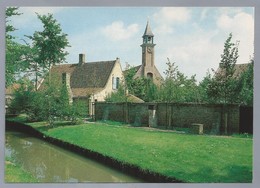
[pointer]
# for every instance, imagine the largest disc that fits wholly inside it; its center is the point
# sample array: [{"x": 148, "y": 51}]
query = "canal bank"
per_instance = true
[
  {"x": 51, "y": 164},
  {"x": 130, "y": 169}
]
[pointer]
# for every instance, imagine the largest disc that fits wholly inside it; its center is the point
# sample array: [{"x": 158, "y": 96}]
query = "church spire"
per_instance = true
[
  {"x": 148, "y": 31},
  {"x": 148, "y": 34}
]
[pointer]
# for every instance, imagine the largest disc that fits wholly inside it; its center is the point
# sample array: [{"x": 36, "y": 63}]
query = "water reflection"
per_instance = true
[{"x": 52, "y": 164}]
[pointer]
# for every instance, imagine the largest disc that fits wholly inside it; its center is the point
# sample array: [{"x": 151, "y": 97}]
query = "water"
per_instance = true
[{"x": 49, "y": 163}]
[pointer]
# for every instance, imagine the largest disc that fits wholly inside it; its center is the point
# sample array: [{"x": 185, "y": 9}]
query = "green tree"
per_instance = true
[
  {"x": 143, "y": 88},
  {"x": 10, "y": 11},
  {"x": 32, "y": 66},
  {"x": 51, "y": 43},
  {"x": 246, "y": 83},
  {"x": 177, "y": 87},
  {"x": 14, "y": 61},
  {"x": 129, "y": 79},
  {"x": 49, "y": 48},
  {"x": 151, "y": 94},
  {"x": 118, "y": 96},
  {"x": 77, "y": 111},
  {"x": 14, "y": 51},
  {"x": 203, "y": 87},
  {"x": 223, "y": 86},
  {"x": 22, "y": 97}
]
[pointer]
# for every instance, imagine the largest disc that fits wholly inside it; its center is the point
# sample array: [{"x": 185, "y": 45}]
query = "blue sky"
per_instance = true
[{"x": 191, "y": 37}]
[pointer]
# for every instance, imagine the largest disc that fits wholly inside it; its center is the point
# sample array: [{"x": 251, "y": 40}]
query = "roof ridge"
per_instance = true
[
  {"x": 100, "y": 61},
  {"x": 86, "y": 62}
]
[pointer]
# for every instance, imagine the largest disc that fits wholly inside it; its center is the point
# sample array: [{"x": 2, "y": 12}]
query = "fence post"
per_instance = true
[
  {"x": 126, "y": 112},
  {"x": 93, "y": 111},
  {"x": 152, "y": 119},
  {"x": 169, "y": 115}
]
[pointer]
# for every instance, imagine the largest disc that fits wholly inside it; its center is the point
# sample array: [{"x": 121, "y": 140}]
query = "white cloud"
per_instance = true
[
  {"x": 193, "y": 54},
  {"x": 167, "y": 17},
  {"x": 241, "y": 25},
  {"x": 172, "y": 15},
  {"x": 118, "y": 31},
  {"x": 28, "y": 15},
  {"x": 200, "y": 49}
]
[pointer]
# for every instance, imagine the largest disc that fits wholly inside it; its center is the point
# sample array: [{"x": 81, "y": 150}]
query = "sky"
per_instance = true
[{"x": 192, "y": 37}]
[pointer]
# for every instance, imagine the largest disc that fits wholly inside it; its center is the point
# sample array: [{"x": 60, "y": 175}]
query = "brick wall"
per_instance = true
[
  {"x": 172, "y": 115},
  {"x": 138, "y": 114},
  {"x": 110, "y": 111}
]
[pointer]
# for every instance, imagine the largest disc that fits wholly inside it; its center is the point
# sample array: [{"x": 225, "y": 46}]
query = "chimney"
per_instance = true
[{"x": 82, "y": 59}]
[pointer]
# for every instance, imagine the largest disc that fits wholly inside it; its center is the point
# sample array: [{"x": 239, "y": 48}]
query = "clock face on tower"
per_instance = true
[{"x": 149, "y": 49}]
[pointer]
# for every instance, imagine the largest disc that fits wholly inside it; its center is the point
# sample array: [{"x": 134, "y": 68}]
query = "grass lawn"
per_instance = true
[
  {"x": 15, "y": 173},
  {"x": 190, "y": 158}
]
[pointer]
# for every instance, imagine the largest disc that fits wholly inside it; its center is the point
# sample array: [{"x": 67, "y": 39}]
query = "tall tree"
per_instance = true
[
  {"x": 177, "y": 87},
  {"x": 50, "y": 48},
  {"x": 14, "y": 50},
  {"x": 10, "y": 11},
  {"x": 223, "y": 87},
  {"x": 51, "y": 43}
]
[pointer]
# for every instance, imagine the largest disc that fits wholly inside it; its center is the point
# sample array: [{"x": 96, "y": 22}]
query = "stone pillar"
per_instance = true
[
  {"x": 152, "y": 115},
  {"x": 196, "y": 128}
]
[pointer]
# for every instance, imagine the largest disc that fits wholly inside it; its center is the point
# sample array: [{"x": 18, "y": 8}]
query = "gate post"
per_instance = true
[
  {"x": 152, "y": 115},
  {"x": 126, "y": 112}
]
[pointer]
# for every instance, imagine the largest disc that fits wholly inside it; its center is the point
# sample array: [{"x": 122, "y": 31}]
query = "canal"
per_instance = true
[{"x": 51, "y": 164}]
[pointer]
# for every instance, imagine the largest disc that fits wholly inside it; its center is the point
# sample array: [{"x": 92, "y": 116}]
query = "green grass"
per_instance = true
[
  {"x": 19, "y": 118},
  {"x": 14, "y": 173},
  {"x": 190, "y": 158}
]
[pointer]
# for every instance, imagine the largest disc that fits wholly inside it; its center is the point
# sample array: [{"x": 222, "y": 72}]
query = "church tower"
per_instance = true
[
  {"x": 148, "y": 69},
  {"x": 148, "y": 53}
]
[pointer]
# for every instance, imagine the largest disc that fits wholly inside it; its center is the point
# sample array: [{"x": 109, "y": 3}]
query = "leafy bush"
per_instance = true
[
  {"x": 76, "y": 111},
  {"x": 48, "y": 104}
]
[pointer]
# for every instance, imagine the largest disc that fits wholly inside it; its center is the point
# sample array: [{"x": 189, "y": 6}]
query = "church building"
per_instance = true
[{"x": 148, "y": 69}]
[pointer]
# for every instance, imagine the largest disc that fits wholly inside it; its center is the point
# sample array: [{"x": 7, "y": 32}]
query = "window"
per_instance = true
[
  {"x": 150, "y": 75},
  {"x": 115, "y": 82}
]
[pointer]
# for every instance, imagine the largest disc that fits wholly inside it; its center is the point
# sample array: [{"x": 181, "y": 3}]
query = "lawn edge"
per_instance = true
[{"x": 133, "y": 170}]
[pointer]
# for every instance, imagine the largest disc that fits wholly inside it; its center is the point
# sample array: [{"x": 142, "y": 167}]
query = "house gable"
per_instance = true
[{"x": 88, "y": 78}]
